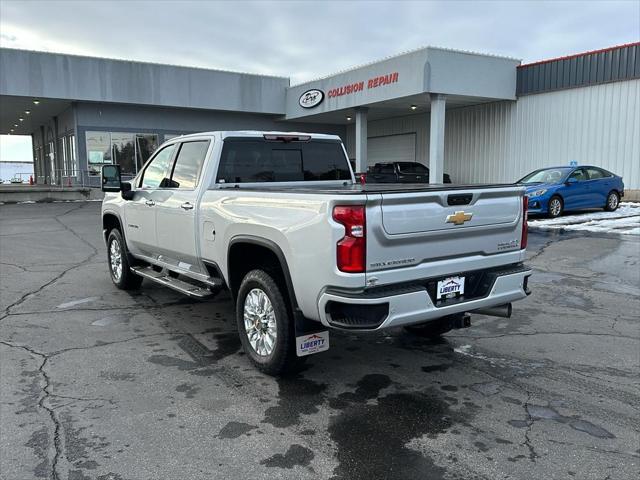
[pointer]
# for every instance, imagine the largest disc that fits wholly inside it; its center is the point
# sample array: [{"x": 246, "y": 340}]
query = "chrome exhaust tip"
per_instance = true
[{"x": 503, "y": 311}]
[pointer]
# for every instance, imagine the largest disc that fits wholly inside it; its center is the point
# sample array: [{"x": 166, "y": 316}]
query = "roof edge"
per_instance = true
[
  {"x": 401, "y": 54},
  {"x": 575, "y": 55},
  {"x": 112, "y": 59}
]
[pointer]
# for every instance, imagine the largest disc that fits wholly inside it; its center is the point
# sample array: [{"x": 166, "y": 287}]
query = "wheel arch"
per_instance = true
[
  {"x": 246, "y": 252},
  {"x": 111, "y": 220}
]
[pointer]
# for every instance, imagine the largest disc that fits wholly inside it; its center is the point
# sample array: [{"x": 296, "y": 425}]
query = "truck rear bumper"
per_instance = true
[{"x": 408, "y": 304}]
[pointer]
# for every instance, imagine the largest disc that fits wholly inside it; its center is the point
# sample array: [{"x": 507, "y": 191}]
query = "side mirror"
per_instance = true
[
  {"x": 127, "y": 193},
  {"x": 111, "y": 180},
  {"x": 571, "y": 181}
]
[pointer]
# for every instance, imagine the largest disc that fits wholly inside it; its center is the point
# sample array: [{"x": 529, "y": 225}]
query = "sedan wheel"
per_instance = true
[
  {"x": 555, "y": 207},
  {"x": 613, "y": 201}
]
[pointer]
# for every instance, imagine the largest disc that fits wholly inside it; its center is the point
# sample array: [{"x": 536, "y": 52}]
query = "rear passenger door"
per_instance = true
[
  {"x": 600, "y": 184},
  {"x": 176, "y": 221}
]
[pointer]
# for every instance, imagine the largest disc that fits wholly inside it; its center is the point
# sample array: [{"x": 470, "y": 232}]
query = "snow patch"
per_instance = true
[{"x": 625, "y": 220}]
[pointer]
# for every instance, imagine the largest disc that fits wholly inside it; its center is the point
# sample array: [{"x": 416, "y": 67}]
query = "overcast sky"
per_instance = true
[{"x": 304, "y": 40}]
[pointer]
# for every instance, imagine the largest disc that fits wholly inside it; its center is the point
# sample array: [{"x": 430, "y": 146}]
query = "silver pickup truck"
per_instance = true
[{"x": 279, "y": 220}]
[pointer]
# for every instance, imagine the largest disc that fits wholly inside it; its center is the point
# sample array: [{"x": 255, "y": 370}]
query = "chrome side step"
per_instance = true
[{"x": 181, "y": 286}]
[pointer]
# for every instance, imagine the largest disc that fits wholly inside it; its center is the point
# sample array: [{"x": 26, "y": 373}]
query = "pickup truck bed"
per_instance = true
[{"x": 377, "y": 188}]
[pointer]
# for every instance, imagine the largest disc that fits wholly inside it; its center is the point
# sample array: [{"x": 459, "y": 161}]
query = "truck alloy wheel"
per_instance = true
[
  {"x": 115, "y": 259},
  {"x": 260, "y": 322},
  {"x": 264, "y": 324},
  {"x": 118, "y": 262}
]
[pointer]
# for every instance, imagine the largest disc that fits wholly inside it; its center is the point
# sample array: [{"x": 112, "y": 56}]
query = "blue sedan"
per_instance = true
[{"x": 551, "y": 191}]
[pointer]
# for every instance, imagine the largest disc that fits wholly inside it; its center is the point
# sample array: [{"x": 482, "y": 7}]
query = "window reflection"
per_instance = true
[
  {"x": 129, "y": 150},
  {"x": 98, "y": 151},
  {"x": 188, "y": 164}
]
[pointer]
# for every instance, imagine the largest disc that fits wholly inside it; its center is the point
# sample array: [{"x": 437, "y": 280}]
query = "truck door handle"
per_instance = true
[
  {"x": 186, "y": 206},
  {"x": 150, "y": 203}
]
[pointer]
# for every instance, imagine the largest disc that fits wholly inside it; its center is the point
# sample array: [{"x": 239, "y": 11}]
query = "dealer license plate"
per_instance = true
[{"x": 450, "y": 288}]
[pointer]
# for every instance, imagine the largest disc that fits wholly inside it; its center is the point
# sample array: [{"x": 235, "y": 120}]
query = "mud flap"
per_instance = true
[{"x": 311, "y": 337}]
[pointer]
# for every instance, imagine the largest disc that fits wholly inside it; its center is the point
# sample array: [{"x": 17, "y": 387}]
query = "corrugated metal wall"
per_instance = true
[
  {"x": 502, "y": 141},
  {"x": 601, "y": 66}
]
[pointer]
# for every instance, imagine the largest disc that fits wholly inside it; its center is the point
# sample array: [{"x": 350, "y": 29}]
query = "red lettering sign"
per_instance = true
[{"x": 359, "y": 86}]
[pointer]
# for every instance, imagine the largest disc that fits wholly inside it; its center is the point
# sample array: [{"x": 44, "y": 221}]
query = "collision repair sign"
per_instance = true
[{"x": 355, "y": 87}]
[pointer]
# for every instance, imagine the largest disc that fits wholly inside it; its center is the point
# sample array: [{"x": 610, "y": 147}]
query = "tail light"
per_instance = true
[
  {"x": 525, "y": 225},
  {"x": 352, "y": 248},
  {"x": 363, "y": 178}
]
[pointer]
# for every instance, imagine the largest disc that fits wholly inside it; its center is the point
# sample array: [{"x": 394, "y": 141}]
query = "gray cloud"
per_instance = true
[{"x": 304, "y": 40}]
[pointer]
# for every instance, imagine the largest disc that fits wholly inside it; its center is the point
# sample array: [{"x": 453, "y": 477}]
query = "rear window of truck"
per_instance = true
[{"x": 246, "y": 160}]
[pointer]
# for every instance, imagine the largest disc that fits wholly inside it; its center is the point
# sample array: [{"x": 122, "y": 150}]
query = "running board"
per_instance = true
[{"x": 181, "y": 286}]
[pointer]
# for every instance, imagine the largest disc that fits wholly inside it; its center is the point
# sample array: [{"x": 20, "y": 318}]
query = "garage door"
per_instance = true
[{"x": 392, "y": 148}]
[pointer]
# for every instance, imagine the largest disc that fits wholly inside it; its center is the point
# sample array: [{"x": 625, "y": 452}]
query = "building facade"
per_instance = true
[{"x": 479, "y": 118}]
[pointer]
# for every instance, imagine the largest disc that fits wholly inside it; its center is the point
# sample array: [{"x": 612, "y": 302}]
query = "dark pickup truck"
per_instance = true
[{"x": 400, "y": 172}]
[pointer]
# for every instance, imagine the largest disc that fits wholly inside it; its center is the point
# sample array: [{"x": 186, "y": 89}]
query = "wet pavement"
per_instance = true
[{"x": 97, "y": 383}]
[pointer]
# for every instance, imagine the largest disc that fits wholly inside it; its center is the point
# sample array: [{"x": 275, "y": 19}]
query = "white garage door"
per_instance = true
[{"x": 392, "y": 148}]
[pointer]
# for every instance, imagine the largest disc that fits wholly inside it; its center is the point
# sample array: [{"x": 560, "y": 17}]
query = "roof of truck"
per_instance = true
[{"x": 260, "y": 133}]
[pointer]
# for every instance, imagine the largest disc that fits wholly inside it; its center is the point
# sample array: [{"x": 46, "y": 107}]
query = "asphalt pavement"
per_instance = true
[{"x": 97, "y": 383}]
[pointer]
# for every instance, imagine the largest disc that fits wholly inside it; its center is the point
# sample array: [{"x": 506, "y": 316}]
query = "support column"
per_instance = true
[
  {"x": 46, "y": 171},
  {"x": 436, "y": 138},
  {"x": 361, "y": 139}
]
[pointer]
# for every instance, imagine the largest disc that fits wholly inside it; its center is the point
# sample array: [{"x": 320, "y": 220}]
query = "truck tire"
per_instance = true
[
  {"x": 433, "y": 329},
  {"x": 118, "y": 262},
  {"x": 265, "y": 326}
]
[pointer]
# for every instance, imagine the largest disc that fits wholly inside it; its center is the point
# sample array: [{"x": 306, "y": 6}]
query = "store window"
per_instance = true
[
  {"x": 129, "y": 150},
  {"x": 73, "y": 159},
  {"x": 98, "y": 151},
  {"x": 123, "y": 152},
  {"x": 64, "y": 155}
]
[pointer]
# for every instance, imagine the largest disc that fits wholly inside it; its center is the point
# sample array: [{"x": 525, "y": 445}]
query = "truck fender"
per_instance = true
[{"x": 270, "y": 245}]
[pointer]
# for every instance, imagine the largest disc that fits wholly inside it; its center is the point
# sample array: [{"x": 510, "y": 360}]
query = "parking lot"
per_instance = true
[{"x": 97, "y": 383}]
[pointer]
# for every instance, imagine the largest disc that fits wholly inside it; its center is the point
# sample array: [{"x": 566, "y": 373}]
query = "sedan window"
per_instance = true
[
  {"x": 580, "y": 175},
  {"x": 596, "y": 173},
  {"x": 548, "y": 175}
]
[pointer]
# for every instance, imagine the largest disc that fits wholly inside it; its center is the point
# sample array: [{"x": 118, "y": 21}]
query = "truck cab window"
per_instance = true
[
  {"x": 156, "y": 171},
  {"x": 255, "y": 160},
  {"x": 188, "y": 164}
]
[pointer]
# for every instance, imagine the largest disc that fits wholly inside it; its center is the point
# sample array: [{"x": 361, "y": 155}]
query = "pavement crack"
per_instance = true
[
  {"x": 542, "y": 250},
  {"x": 30, "y": 294},
  {"x": 530, "y": 421},
  {"x": 528, "y": 334},
  {"x": 43, "y": 404},
  {"x": 105, "y": 344}
]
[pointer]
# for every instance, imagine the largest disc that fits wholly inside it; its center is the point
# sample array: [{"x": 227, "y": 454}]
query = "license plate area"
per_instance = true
[{"x": 450, "y": 287}]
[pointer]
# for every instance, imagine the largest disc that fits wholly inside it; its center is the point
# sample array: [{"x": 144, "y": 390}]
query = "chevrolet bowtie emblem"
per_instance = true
[{"x": 459, "y": 218}]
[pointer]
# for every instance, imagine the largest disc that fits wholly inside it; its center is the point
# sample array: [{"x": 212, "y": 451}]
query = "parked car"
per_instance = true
[
  {"x": 554, "y": 190},
  {"x": 279, "y": 220},
  {"x": 400, "y": 172}
]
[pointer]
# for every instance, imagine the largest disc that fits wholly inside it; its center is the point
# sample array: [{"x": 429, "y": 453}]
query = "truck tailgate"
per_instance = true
[{"x": 441, "y": 232}]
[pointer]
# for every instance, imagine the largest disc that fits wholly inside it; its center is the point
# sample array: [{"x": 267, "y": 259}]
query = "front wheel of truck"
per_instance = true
[
  {"x": 118, "y": 261},
  {"x": 265, "y": 325}
]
